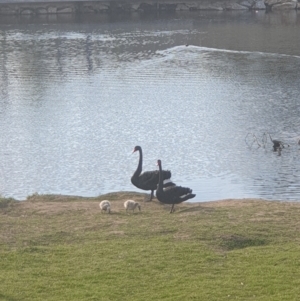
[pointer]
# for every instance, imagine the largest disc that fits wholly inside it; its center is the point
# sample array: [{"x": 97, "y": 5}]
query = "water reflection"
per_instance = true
[{"x": 77, "y": 96}]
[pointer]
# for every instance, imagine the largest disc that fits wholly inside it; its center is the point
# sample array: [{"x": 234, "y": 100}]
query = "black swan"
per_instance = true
[
  {"x": 147, "y": 180},
  {"x": 172, "y": 194},
  {"x": 276, "y": 144}
]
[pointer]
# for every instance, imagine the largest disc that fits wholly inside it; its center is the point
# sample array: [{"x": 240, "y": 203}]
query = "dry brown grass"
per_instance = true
[{"x": 45, "y": 214}]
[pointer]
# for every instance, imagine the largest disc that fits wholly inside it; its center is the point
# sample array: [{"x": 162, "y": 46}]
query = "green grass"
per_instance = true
[{"x": 63, "y": 248}]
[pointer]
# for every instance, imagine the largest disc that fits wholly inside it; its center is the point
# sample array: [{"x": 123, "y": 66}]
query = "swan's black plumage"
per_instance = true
[
  {"x": 148, "y": 180},
  {"x": 172, "y": 194},
  {"x": 276, "y": 144}
]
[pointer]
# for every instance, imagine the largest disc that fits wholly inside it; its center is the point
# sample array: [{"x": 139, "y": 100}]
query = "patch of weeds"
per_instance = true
[
  {"x": 32, "y": 197},
  {"x": 54, "y": 238},
  {"x": 34, "y": 250},
  {"x": 4, "y": 202},
  {"x": 233, "y": 242}
]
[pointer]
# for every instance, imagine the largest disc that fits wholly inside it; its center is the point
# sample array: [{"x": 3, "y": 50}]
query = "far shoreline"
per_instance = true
[{"x": 107, "y": 7}]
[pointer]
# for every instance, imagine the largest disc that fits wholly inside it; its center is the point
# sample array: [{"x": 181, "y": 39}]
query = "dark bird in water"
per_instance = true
[
  {"x": 172, "y": 194},
  {"x": 148, "y": 180},
  {"x": 277, "y": 145}
]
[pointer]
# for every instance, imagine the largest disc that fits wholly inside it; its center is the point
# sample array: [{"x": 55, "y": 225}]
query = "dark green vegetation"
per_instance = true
[{"x": 64, "y": 248}]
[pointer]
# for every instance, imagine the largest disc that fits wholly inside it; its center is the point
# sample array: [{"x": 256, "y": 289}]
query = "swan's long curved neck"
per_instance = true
[
  {"x": 139, "y": 168},
  {"x": 160, "y": 182}
]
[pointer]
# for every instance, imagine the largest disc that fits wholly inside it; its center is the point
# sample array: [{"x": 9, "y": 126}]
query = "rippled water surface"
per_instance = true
[{"x": 77, "y": 94}]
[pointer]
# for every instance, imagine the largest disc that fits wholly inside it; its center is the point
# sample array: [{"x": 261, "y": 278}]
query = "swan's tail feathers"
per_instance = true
[
  {"x": 166, "y": 174},
  {"x": 188, "y": 196},
  {"x": 185, "y": 191}
]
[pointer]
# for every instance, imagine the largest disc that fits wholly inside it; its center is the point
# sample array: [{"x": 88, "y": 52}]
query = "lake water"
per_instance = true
[{"x": 78, "y": 93}]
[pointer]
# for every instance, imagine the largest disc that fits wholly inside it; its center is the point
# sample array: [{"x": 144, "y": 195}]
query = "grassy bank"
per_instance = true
[{"x": 64, "y": 248}]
